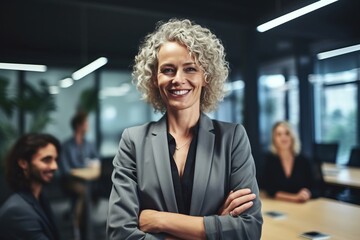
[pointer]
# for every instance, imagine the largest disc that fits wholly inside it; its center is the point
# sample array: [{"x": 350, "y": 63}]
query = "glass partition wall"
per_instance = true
[{"x": 336, "y": 102}]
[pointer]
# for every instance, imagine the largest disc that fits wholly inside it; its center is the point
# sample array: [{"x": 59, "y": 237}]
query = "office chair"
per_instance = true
[
  {"x": 325, "y": 152},
  {"x": 320, "y": 186},
  {"x": 354, "y": 160},
  {"x": 103, "y": 185}
]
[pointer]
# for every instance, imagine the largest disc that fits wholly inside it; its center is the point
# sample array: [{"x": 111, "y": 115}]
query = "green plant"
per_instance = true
[
  {"x": 8, "y": 132},
  {"x": 88, "y": 100},
  {"x": 37, "y": 104}
]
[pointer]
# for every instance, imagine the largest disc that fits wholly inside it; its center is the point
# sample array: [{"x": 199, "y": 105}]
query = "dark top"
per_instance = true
[
  {"x": 183, "y": 186},
  {"x": 274, "y": 178},
  {"x": 22, "y": 216}
]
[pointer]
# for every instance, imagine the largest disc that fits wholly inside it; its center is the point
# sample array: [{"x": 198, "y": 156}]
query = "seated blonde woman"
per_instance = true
[{"x": 287, "y": 174}]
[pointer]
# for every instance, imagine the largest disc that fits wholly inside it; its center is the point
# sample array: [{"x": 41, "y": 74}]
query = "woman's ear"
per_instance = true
[
  {"x": 205, "y": 80},
  {"x": 23, "y": 164}
]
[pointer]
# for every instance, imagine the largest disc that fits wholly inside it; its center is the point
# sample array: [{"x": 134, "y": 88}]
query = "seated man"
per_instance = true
[
  {"x": 30, "y": 165},
  {"x": 76, "y": 152}
]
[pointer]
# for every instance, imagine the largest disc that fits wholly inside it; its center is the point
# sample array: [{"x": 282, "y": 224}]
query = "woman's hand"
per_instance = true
[
  {"x": 303, "y": 195},
  {"x": 237, "y": 202}
]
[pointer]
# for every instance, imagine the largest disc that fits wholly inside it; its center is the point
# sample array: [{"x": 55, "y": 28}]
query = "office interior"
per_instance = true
[{"x": 275, "y": 75}]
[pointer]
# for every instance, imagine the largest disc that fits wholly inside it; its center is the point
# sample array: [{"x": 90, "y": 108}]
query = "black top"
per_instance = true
[
  {"x": 183, "y": 186},
  {"x": 274, "y": 178}
]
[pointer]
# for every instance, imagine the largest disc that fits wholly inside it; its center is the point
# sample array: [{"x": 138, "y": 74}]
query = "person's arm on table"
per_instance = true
[{"x": 302, "y": 196}]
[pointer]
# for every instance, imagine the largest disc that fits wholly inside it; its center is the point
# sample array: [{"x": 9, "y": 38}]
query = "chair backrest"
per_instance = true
[
  {"x": 325, "y": 152},
  {"x": 104, "y": 183},
  {"x": 319, "y": 183},
  {"x": 354, "y": 160}
]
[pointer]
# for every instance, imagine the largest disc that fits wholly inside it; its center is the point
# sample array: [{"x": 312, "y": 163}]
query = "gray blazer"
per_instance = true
[
  {"x": 142, "y": 180},
  {"x": 22, "y": 217}
]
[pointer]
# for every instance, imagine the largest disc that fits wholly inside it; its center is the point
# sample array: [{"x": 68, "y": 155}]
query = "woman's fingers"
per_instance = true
[
  {"x": 237, "y": 211},
  {"x": 237, "y": 202},
  {"x": 241, "y": 201}
]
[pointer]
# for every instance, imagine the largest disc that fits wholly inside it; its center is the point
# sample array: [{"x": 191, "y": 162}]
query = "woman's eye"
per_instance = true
[
  {"x": 167, "y": 71},
  {"x": 190, "y": 69}
]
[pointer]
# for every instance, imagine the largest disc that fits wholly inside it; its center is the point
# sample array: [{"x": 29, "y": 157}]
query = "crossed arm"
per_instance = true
[{"x": 190, "y": 227}]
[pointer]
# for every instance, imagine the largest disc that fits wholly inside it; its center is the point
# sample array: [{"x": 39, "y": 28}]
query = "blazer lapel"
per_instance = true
[
  {"x": 204, "y": 159},
  {"x": 162, "y": 163},
  {"x": 27, "y": 196}
]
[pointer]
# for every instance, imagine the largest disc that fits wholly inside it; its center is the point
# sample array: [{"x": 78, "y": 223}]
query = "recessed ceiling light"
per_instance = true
[
  {"x": 292, "y": 15},
  {"x": 23, "y": 67}
]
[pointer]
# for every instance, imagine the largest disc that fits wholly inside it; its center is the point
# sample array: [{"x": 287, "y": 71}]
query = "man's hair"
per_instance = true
[
  {"x": 25, "y": 148},
  {"x": 78, "y": 119}
]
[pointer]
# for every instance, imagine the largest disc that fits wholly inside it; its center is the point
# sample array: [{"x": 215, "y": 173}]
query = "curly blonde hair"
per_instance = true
[
  {"x": 295, "y": 146},
  {"x": 207, "y": 50}
]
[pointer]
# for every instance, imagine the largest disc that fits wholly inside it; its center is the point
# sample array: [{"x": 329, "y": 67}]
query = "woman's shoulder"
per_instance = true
[
  {"x": 227, "y": 126},
  {"x": 302, "y": 156},
  {"x": 145, "y": 129},
  {"x": 270, "y": 156}
]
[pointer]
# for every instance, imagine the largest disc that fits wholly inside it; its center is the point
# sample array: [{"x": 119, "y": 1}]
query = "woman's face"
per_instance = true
[
  {"x": 179, "y": 78},
  {"x": 282, "y": 138}
]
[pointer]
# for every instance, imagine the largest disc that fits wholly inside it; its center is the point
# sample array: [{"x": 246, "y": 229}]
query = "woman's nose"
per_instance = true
[{"x": 179, "y": 78}]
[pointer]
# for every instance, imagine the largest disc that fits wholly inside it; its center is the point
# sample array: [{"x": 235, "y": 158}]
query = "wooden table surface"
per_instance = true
[
  {"x": 339, "y": 220},
  {"x": 341, "y": 175}
]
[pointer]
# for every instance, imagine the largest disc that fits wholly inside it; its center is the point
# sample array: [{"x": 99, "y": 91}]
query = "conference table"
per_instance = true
[
  {"x": 341, "y": 175},
  {"x": 87, "y": 175},
  {"x": 337, "y": 219}
]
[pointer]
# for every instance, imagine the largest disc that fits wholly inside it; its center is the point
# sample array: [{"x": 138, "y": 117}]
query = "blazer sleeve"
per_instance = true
[
  {"x": 247, "y": 225},
  {"x": 123, "y": 213}
]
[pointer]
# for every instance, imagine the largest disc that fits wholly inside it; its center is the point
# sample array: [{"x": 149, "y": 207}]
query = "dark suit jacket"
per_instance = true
[
  {"x": 22, "y": 217},
  {"x": 142, "y": 180}
]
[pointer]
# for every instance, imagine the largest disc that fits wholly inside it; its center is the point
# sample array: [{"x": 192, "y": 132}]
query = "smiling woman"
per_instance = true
[{"x": 186, "y": 176}]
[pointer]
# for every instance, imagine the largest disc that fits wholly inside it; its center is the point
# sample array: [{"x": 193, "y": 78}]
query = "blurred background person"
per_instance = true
[
  {"x": 77, "y": 152},
  {"x": 287, "y": 175},
  {"x": 30, "y": 165}
]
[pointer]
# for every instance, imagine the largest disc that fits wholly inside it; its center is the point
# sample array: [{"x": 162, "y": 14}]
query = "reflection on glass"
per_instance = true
[
  {"x": 338, "y": 118},
  {"x": 274, "y": 91},
  {"x": 231, "y": 108}
]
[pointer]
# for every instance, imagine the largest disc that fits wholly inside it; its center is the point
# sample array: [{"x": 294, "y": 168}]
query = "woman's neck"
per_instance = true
[
  {"x": 285, "y": 154},
  {"x": 180, "y": 123}
]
